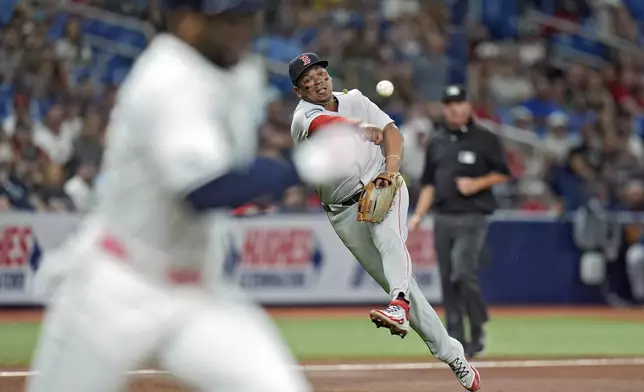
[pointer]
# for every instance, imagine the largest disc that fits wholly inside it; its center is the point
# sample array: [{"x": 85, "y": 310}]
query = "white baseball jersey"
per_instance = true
[
  {"x": 309, "y": 118},
  {"x": 178, "y": 123}
]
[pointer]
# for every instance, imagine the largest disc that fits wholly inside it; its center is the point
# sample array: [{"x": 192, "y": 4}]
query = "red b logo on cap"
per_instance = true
[{"x": 305, "y": 60}]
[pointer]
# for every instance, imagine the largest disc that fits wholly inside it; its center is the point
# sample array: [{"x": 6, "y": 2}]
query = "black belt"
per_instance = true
[{"x": 346, "y": 203}]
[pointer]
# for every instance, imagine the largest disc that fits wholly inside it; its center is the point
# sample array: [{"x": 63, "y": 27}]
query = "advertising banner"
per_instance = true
[
  {"x": 23, "y": 241},
  {"x": 300, "y": 260},
  {"x": 286, "y": 259}
]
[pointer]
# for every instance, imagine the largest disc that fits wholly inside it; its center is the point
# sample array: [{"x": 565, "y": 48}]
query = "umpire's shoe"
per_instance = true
[
  {"x": 477, "y": 345},
  {"x": 395, "y": 317}
]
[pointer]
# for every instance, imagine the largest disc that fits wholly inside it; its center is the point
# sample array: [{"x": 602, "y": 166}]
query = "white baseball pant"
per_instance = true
[
  {"x": 106, "y": 321},
  {"x": 382, "y": 252}
]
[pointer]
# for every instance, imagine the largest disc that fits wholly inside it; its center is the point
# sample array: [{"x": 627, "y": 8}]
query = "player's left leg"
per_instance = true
[{"x": 231, "y": 345}]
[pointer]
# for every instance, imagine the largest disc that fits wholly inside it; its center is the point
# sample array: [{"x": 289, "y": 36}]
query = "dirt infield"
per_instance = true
[
  {"x": 539, "y": 379},
  {"x": 523, "y": 376}
]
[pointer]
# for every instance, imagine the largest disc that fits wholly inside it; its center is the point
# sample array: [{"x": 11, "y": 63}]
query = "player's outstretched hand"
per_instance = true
[
  {"x": 328, "y": 155},
  {"x": 372, "y": 133}
]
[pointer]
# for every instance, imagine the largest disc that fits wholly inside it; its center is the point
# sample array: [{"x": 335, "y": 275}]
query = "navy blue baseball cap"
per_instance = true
[
  {"x": 217, "y": 6},
  {"x": 302, "y": 63},
  {"x": 454, "y": 93}
]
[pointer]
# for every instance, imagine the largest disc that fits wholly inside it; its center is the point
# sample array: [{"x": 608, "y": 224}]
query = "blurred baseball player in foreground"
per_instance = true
[
  {"x": 368, "y": 207},
  {"x": 131, "y": 285}
]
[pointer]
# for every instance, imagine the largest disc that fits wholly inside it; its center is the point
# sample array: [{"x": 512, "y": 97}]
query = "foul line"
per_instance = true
[{"x": 415, "y": 366}]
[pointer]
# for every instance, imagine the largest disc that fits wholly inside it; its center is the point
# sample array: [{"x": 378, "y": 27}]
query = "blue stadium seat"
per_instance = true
[
  {"x": 133, "y": 37},
  {"x": 57, "y": 28},
  {"x": 569, "y": 187},
  {"x": 6, "y": 10},
  {"x": 112, "y": 32},
  {"x": 499, "y": 16},
  {"x": 92, "y": 26},
  {"x": 636, "y": 8}
]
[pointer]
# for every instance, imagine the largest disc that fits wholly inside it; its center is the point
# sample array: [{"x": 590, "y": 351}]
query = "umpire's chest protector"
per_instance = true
[{"x": 460, "y": 153}]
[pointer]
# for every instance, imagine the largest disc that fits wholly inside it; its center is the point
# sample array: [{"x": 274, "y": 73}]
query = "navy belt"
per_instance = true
[{"x": 346, "y": 203}]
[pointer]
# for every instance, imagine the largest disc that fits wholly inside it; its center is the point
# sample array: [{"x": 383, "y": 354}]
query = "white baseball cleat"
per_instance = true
[
  {"x": 466, "y": 374},
  {"x": 395, "y": 317}
]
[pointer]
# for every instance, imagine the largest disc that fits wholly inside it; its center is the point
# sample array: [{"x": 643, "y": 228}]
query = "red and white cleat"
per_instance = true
[
  {"x": 466, "y": 374},
  {"x": 395, "y": 318}
]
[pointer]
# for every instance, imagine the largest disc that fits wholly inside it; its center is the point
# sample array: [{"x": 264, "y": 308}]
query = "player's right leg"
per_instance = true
[
  {"x": 231, "y": 346},
  {"x": 102, "y": 323},
  {"x": 423, "y": 318}
]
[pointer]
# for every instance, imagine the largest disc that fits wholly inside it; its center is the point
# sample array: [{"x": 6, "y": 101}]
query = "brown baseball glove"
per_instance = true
[{"x": 375, "y": 203}]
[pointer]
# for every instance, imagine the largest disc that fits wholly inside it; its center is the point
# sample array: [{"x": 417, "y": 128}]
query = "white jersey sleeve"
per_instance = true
[
  {"x": 188, "y": 145},
  {"x": 309, "y": 118},
  {"x": 375, "y": 115},
  {"x": 300, "y": 124}
]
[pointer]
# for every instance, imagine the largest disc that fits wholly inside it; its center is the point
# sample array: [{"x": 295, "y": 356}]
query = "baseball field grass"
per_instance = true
[
  {"x": 530, "y": 350},
  {"x": 320, "y": 337}
]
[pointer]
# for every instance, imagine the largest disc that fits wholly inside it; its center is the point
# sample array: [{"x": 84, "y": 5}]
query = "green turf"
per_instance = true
[
  {"x": 17, "y": 342},
  {"x": 508, "y": 337},
  {"x": 355, "y": 337}
]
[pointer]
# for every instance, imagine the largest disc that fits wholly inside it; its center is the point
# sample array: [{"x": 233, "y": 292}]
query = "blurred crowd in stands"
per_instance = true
[{"x": 561, "y": 80}]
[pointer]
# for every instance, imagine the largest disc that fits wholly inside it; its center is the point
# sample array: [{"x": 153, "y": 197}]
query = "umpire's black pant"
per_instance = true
[{"x": 459, "y": 240}]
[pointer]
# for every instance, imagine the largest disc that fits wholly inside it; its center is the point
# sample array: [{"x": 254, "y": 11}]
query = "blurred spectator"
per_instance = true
[
  {"x": 24, "y": 148},
  {"x": 485, "y": 108},
  {"x": 51, "y": 190},
  {"x": 579, "y": 113},
  {"x": 55, "y": 136},
  {"x": 294, "y": 200},
  {"x": 275, "y": 134},
  {"x": 522, "y": 119},
  {"x": 13, "y": 191},
  {"x": 557, "y": 141},
  {"x": 72, "y": 48},
  {"x": 507, "y": 85},
  {"x": 11, "y": 56},
  {"x": 58, "y": 86},
  {"x": 541, "y": 105},
  {"x": 19, "y": 112},
  {"x": 622, "y": 87},
  {"x": 416, "y": 132},
  {"x": 632, "y": 195},
  {"x": 430, "y": 69},
  {"x": 585, "y": 159},
  {"x": 88, "y": 146},
  {"x": 634, "y": 144},
  {"x": 80, "y": 187}
]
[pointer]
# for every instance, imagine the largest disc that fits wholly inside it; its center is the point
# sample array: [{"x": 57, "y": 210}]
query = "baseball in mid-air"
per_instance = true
[{"x": 385, "y": 88}]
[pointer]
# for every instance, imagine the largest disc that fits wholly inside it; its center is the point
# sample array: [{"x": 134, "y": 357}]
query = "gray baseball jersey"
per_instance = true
[{"x": 379, "y": 248}]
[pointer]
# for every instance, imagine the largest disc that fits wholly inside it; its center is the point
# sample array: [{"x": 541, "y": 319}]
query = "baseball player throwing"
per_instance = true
[
  {"x": 131, "y": 284},
  {"x": 368, "y": 207}
]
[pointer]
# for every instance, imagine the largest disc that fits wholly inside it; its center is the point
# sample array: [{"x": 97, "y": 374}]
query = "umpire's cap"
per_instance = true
[
  {"x": 303, "y": 62},
  {"x": 217, "y": 6},
  {"x": 454, "y": 93}
]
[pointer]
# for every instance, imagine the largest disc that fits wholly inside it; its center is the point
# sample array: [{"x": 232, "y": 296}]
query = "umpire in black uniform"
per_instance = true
[{"x": 463, "y": 162}]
